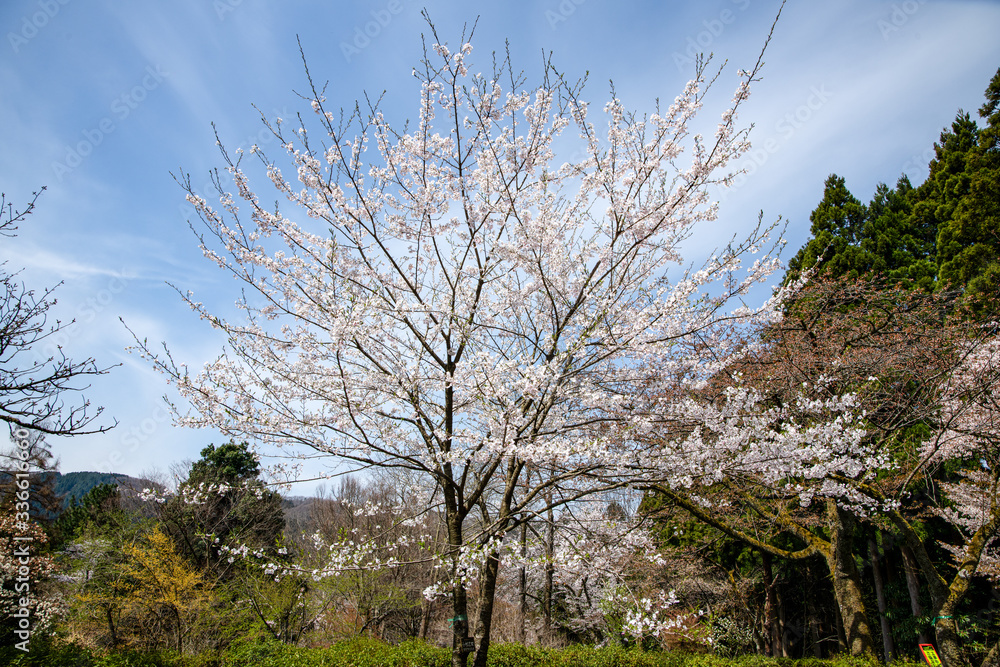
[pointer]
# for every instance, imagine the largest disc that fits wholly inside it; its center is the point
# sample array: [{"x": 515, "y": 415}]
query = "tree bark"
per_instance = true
[
  {"x": 993, "y": 657},
  {"x": 550, "y": 539},
  {"x": 425, "y": 618},
  {"x": 522, "y": 590},
  {"x": 876, "y": 560},
  {"x": 949, "y": 644},
  {"x": 911, "y": 569},
  {"x": 460, "y": 602},
  {"x": 838, "y": 622},
  {"x": 847, "y": 581},
  {"x": 812, "y": 622},
  {"x": 487, "y": 595},
  {"x": 772, "y": 631},
  {"x": 782, "y": 627},
  {"x": 111, "y": 627}
]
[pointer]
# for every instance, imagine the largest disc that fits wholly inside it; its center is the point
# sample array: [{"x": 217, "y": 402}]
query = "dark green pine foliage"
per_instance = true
[
  {"x": 230, "y": 463},
  {"x": 943, "y": 234},
  {"x": 894, "y": 246},
  {"x": 850, "y": 239},
  {"x": 937, "y": 198},
  {"x": 247, "y": 513},
  {"x": 836, "y": 229},
  {"x": 969, "y": 235}
]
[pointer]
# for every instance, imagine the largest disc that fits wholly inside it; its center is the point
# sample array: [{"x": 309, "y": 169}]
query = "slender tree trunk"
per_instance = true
[
  {"x": 550, "y": 539},
  {"x": 487, "y": 595},
  {"x": 911, "y": 568},
  {"x": 812, "y": 622},
  {"x": 522, "y": 590},
  {"x": 772, "y": 631},
  {"x": 460, "y": 602},
  {"x": 993, "y": 657},
  {"x": 425, "y": 618},
  {"x": 111, "y": 627},
  {"x": 887, "y": 648},
  {"x": 847, "y": 581},
  {"x": 782, "y": 633},
  {"x": 180, "y": 635}
]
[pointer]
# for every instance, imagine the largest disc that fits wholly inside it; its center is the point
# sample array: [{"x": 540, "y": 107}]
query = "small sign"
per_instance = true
[
  {"x": 930, "y": 655},
  {"x": 469, "y": 645}
]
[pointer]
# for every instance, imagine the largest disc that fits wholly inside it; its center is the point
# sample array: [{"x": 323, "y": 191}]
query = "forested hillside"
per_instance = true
[{"x": 75, "y": 485}]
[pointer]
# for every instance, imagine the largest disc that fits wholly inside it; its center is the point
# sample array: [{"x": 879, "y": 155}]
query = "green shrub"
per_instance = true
[
  {"x": 519, "y": 655},
  {"x": 364, "y": 652}
]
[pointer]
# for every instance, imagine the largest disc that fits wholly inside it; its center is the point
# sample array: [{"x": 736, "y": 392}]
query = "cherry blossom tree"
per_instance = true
[
  {"x": 741, "y": 457},
  {"x": 459, "y": 300},
  {"x": 27, "y": 600},
  {"x": 824, "y": 423}
]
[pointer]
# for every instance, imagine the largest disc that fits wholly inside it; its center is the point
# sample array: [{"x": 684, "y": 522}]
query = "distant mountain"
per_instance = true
[{"x": 76, "y": 484}]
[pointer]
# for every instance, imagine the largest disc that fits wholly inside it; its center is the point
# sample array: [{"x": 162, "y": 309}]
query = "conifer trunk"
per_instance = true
[
  {"x": 876, "y": 560},
  {"x": 911, "y": 569}
]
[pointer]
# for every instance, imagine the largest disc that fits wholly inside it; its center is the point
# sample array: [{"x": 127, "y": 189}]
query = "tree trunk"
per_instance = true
[
  {"x": 772, "y": 631},
  {"x": 993, "y": 657},
  {"x": 460, "y": 602},
  {"x": 949, "y": 644},
  {"x": 550, "y": 539},
  {"x": 812, "y": 623},
  {"x": 910, "y": 567},
  {"x": 522, "y": 590},
  {"x": 180, "y": 635},
  {"x": 782, "y": 627},
  {"x": 847, "y": 581},
  {"x": 487, "y": 595},
  {"x": 426, "y": 607},
  {"x": 838, "y": 622},
  {"x": 887, "y": 648},
  {"x": 111, "y": 627}
]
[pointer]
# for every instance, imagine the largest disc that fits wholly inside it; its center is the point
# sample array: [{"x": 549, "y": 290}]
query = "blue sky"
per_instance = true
[{"x": 102, "y": 101}]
